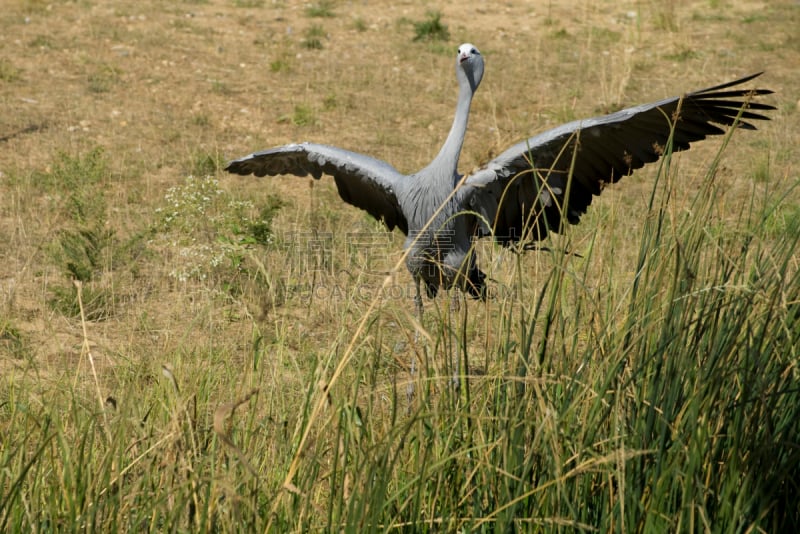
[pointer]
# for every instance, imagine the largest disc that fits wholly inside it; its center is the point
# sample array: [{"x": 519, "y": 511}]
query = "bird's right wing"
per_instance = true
[{"x": 364, "y": 182}]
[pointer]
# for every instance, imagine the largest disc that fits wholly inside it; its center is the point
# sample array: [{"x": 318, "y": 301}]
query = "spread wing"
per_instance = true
[
  {"x": 521, "y": 193},
  {"x": 364, "y": 182}
]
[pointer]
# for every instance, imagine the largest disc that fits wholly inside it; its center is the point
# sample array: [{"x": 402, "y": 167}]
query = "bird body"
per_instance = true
[{"x": 520, "y": 196}]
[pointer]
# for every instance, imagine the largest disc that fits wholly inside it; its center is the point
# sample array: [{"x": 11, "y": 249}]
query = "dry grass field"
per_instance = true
[{"x": 145, "y": 294}]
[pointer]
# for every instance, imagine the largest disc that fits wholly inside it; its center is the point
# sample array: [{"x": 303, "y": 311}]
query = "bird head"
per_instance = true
[{"x": 469, "y": 65}]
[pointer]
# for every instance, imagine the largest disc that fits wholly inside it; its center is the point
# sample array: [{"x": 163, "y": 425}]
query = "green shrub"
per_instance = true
[
  {"x": 209, "y": 230},
  {"x": 313, "y": 38},
  {"x": 431, "y": 29},
  {"x": 321, "y": 9}
]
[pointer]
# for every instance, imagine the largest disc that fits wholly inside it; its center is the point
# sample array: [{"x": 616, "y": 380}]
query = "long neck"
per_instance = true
[{"x": 446, "y": 162}]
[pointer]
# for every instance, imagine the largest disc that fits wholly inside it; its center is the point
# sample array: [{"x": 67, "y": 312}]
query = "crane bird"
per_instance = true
[{"x": 517, "y": 198}]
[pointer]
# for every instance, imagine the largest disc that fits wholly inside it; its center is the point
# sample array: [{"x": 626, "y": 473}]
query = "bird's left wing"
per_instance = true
[
  {"x": 521, "y": 194},
  {"x": 364, "y": 182}
]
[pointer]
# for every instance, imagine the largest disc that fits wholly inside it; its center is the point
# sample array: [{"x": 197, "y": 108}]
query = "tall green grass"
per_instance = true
[{"x": 662, "y": 400}]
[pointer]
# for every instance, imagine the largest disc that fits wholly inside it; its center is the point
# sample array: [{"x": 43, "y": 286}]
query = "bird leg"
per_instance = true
[
  {"x": 455, "y": 302},
  {"x": 455, "y": 306},
  {"x": 412, "y": 370},
  {"x": 419, "y": 308}
]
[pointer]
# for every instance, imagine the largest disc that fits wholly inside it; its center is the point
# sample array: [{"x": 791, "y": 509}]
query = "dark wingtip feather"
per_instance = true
[
  {"x": 731, "y": 84},
  {"x": 235, "y": 167},
  {"x": 243, "y": 167}
]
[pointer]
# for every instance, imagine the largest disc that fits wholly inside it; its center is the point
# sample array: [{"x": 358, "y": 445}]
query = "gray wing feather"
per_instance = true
[
  {"x": 520, "y": 194},
  {"x": 364, "y": 182}
]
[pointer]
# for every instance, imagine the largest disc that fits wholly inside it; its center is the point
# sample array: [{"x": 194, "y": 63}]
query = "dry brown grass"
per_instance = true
[
  {"x": 158, "y": 85},
  {"x": 158, "y": 91}
]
